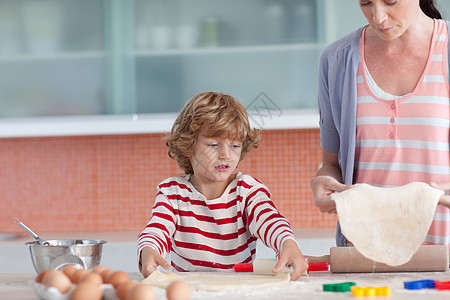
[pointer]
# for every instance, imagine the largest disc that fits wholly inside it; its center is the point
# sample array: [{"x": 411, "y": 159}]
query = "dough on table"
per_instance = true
[
  {"x": 217, "y": 281},
  {"x": 387, "y": 225}
]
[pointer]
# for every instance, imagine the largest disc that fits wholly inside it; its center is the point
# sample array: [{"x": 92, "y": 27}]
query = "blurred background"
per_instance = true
[
  {"x": 91, "y": 57},
  {"x": 94, "y": 57},
  {"x": 88, "y": 89}
]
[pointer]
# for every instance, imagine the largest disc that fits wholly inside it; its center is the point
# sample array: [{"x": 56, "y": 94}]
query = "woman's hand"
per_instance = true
[
  {"x": 151, "y": 260},
  {"x": 323, "y": 187},
  {"x": 327, "y": 181},
  {"x": 445, "y": 186},
  {"x": 291, "y": 255}
]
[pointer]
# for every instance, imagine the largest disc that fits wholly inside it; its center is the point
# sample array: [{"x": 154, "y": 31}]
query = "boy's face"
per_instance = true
[{"x": 214, "y": 159}]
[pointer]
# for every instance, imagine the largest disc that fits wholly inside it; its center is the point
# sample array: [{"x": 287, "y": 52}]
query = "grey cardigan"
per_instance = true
[{"x": 338, "y": 65}]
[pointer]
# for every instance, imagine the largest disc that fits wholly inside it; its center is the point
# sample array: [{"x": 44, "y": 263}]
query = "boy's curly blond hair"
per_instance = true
[{"x": 221, "y": 114}]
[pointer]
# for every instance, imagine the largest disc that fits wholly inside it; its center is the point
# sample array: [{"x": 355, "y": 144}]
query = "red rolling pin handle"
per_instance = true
[
  {"x": 313, "y": 266},
  {"x": 318, "y": 266},
  {"x": 243, "y": 267}
]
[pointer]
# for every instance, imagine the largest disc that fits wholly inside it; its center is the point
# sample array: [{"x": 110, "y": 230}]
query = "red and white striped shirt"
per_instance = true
[{"x": 205, "y": 235}]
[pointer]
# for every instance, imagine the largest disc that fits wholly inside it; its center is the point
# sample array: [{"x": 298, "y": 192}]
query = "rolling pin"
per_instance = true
[
  {"x": 265, "y": 267},
  {"x": 429, "y": 258}
]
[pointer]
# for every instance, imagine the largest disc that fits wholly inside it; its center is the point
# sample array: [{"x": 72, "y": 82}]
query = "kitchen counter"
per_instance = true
[
  {"x": 17, "y": 287},
  {"x": 119, "y": 253}
]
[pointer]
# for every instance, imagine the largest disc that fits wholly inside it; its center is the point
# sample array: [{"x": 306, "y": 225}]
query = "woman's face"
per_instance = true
[{"x": 390, "y": 18}]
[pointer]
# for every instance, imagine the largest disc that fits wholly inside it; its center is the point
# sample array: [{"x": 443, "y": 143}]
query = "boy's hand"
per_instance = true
[
  {"x": 291, "y": 255},
  {"x": 151, "y": 260}
]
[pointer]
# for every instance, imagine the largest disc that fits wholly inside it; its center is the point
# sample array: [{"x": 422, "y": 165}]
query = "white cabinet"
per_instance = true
[
  {"x": 52, "y": 58},
  {"x": 92, "y": 60},
  {"x": 238, "y": 47}
]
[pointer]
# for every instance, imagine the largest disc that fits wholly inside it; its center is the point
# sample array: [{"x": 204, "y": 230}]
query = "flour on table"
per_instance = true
[
  {"x": 217, "y": 281},
  {"x": 387, "y": 225}
]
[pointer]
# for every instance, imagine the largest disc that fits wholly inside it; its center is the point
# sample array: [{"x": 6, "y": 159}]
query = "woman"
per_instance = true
[{"x": 384, "y": 106}]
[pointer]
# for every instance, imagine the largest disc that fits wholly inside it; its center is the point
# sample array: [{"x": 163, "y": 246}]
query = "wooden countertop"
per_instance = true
[{"x": 17, "y": 287}]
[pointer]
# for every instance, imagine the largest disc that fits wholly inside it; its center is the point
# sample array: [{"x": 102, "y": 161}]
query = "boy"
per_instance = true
[{"x": 211, "y": 218}]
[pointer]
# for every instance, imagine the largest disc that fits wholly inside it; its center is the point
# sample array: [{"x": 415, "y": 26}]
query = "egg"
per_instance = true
[
  {"x": 75, "y": 277},
  {"x": 40, "y": 276},
  {"x": 141, "y": 292},
  {"x": 105, "y": 274},
  {"x": 99, "y": 269},
  {"x": 69, "y": 270},
  {"x": 92, "y": 277},
  {"x": 178, "y": 290},
  {"x": 86, "y": 291},
  {"x": 117, "y": 277},
  {"x": 57, "y": 279},
  {"x": 123, "y": 288}
]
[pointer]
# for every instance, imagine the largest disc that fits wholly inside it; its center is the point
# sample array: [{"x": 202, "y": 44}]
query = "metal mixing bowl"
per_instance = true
[{"x": 84, "y": 254}]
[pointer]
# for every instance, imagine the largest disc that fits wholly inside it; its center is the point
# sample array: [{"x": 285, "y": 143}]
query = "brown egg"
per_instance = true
[
  {"x": 40, "y": 276},
  {"x": 117, "y": 277},
  {"x": 69, "y": 270},
  {"x": 57, "y": 279},
  {"x": 178, "y": 290},
  {"x": 75, "y": 277},
  {"x": 105, "y": 274},
  {"x": 123, "y": 288},
  {"x": 86, "y": 291},
  {"x": 141, "y": 291},
  {"x": 92, "y": 277},
  {"x": 99, "y": 269}
]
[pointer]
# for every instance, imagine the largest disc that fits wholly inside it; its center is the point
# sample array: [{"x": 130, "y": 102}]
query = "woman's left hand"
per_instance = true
[{"x": 445, "y": 186}]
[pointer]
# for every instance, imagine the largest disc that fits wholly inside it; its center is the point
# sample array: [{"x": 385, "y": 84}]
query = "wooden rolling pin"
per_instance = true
[
  {"x": 265, "y": 267},
  {"x": 261, "y": 267},
  {"x": 429, "y": 258}
]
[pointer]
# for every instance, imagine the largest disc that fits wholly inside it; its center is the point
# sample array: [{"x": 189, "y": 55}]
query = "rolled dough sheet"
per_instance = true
[
  {"x": 217, "y": 281},
  {"x": 387, "y": 225}
]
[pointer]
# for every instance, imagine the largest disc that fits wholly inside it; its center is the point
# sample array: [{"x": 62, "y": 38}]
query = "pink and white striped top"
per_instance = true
[
  {"x": 205, "y": 235},
  {"x": 406, "y": 138}
]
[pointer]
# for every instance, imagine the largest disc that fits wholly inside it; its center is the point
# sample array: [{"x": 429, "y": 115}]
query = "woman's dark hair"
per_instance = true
[{"x": 429, "y": 8}]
